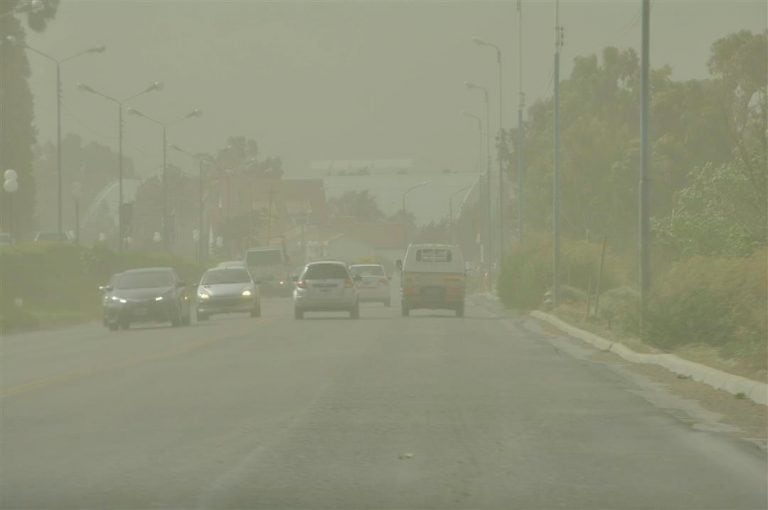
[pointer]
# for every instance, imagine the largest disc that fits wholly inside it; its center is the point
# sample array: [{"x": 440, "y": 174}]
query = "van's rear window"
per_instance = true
[
  {"x": 433, "y": 255},
  {"x": 263, "y": 257}
]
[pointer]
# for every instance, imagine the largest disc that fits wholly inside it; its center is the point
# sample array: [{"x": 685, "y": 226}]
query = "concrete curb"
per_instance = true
[{"x": 733, "y": 384}]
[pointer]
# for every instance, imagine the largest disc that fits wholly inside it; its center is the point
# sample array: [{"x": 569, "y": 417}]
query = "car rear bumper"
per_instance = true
[
  {"x": 324, "y": 305},
  {"x": 433, "y": 298}
]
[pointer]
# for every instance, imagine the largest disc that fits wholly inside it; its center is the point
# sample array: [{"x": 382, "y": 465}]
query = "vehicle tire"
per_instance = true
[
  {"x": 187, "y": 319},
  {"x": 355, "y": 312},
  {"x": 176, "y": 319},
  {"x": 113, "y": 326},
  {"x": 298, "y": 314},
  {"x": 202, "y": 317},
  {"x": 256, "y": 312},
  {"x": 124, "y": 324},
  {"x": 460, "y": 310},
  {"x": 404, "y": 311}
]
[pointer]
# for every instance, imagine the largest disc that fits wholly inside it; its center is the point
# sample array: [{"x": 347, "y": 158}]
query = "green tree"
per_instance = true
[
  {"x": 17, "y": 131},
  {"x": 89, "y": 163}
]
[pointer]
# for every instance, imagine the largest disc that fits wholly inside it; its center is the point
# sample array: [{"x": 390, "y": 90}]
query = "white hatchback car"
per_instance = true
[
  {"x": 373, "y": 286},
  {"x": 324, "y": 287}
]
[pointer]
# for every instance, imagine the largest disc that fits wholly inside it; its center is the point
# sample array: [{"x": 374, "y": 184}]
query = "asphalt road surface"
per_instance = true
[{"x": 428, "y": 411}]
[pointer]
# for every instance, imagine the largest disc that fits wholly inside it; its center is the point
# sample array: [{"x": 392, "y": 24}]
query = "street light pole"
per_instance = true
[
  {"x": 484, "y": 90},
  {"x": 77, "y": 194},
  {"x": 201, "y": 158},
  {"x": 556, "y": 173},
  {"x": 481, "y": 42},
  {"x": 58, "y": 62},
  {"x": 520, "y": 127},
  {"x": 154, "y": 86},
  {"x": 164, "y": 125},
  {"x": 480, "y": 132},
  {"x": 450, "y": 211}
]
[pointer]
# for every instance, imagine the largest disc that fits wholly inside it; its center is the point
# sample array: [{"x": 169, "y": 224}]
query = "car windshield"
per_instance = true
[
  {"x": 325, "y": 272},
  {"x": 144, "y": 280},
  {"x": 264, "y": 257},
  {"x": 223, "y": 276},
  {"x": 367, "y": 270}
]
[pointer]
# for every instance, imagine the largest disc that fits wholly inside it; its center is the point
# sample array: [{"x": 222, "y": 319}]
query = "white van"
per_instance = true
[
  {"x": 270, "y": 269},
  {"x": 433, "y": 278}
]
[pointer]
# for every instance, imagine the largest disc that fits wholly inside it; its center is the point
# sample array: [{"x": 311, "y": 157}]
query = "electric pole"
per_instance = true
[
  {"x": 556, "y": 173},
  {"x": 645, "y": 183},
  {"x": 520, "y": 132}
]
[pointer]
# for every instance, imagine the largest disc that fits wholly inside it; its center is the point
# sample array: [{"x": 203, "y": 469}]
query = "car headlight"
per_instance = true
[
  {"x": 247, "y": 293},
  {"x": 119, "y": 300},
  {"x": 159, "y": 298},
  {"x": 203, "y": 295}
]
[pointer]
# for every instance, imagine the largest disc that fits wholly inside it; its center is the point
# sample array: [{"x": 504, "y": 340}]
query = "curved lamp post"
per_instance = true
[
  {"x": 154, "y": 86},
  {"x": 489, "y": 230},
  {"x": 201, "y": 159},
  {"x": 58, "y": 62},
  {"x": 196, "y": 112},
  {"x": 481, "y": 42}
]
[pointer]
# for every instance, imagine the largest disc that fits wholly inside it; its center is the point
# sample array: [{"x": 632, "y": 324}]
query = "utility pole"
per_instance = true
[
  {"x": 645, "y": 184},
  {"x": 501, "y": 161},
  {"x": 120, "y": 219},
  {"x": 556, "y": 173},
  {"x": 520, "y": 128}
]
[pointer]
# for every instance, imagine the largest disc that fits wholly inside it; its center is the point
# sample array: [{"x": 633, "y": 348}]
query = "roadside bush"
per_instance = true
[
  {"x": 526, "y": 272},
  {"x": 620, "y": 310},
  {"x": 53, "y": 280},
  {"x": 721, "y": 302}
]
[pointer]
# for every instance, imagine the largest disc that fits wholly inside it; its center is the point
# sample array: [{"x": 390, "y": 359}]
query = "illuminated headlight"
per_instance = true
[
  {"x": 119, "y": 300},
  {"x": 159, "y": 298},
  {"x": 247, "y": 293},
  {"x": 203, "y": 295}
]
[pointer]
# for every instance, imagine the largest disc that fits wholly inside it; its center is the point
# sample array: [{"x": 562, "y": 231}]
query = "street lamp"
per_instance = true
[
  {"x": 450, "y": 202},
  {"x": 154, "y": 86},
  {"x": 480, "y": 132},
  {"x": 196, "y": 112},
  {"x": 77, "y": 195},
  {"x": 201, "y": 159},
  {"x": 10, "y": 186},
  {"x": 58, "y": 62},
  {"x": 472, "y": 86},
  {"x": 405, "y": 224},
  {"x": 481, "y": 42},
  {"x": 450, "y": 211}
]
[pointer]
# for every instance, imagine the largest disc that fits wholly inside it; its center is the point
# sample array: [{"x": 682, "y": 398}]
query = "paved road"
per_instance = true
[{"x": 384, "y": 412}]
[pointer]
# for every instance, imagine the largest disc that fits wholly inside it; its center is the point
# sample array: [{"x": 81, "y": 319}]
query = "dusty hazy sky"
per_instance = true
[{"x": 339, "y": 80}]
